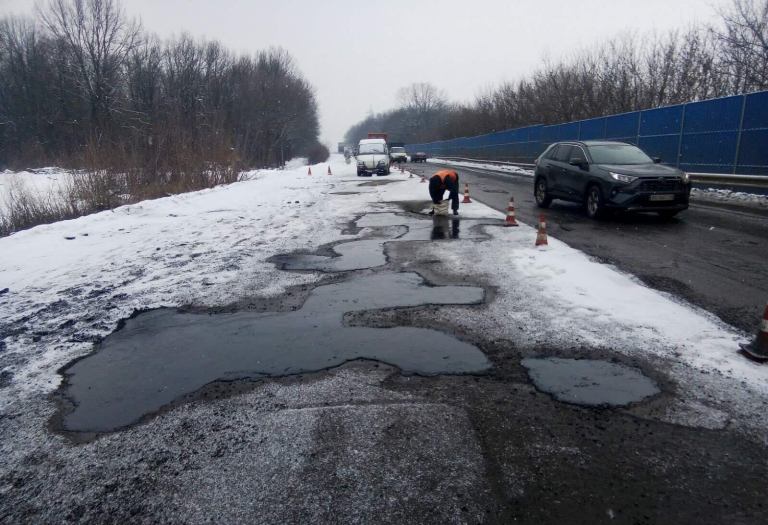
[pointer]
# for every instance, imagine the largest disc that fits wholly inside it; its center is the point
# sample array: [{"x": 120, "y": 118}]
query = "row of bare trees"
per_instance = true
[
  {"x": 81, "y": 83},
  {"x": 625, "y": 74}
]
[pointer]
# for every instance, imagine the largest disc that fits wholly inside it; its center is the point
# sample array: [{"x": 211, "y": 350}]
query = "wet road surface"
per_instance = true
[{"x": 713, "y": 257}]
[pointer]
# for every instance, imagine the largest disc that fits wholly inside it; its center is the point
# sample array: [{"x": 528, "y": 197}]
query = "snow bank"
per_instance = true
[{"x": 725, "y": 195}]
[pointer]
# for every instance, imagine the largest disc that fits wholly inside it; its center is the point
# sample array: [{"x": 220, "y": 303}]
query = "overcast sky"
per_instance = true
[{"x": 358, "y": 53}]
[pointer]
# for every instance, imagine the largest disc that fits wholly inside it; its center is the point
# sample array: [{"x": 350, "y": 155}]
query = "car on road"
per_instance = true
[
  {"x": 419, "y": 156},
  {"x": 372, "y": 157},
  {"x": 606, "y": 175},
  {"x": 398, "y": 154}
]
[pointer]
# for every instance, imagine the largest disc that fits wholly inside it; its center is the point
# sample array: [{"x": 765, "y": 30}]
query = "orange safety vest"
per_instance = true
[{"x": 446, "y": 174}]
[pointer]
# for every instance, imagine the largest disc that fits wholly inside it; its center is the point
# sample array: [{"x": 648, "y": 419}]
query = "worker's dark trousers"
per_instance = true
[{"x": 437, "y": 196}]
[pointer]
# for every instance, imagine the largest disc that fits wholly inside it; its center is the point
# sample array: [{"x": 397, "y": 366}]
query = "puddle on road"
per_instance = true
[
  {"x": 161, "y": 355},
  {"x": 369, "y": 253},
  {"x": 378, "y": 182},
  {"x": 353, "y": 255},
  {"x": 589, "y": 382}
]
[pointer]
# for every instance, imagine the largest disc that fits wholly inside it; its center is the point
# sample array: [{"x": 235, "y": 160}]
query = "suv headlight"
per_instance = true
[
  {"x": 621, "y": 178},
  {"x": 381, "y": 162},
  {"x": 360, "y": 163},
  {"x": 686, "y": 178}
]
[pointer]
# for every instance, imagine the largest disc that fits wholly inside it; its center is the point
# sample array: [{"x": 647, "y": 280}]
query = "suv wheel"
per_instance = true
[
  {"x": 594, "y": 203},
  {"x": 543, "y": 199}
]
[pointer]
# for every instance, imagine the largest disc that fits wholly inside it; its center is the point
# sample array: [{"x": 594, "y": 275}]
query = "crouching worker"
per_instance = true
[{"x": 440, "y": 182}]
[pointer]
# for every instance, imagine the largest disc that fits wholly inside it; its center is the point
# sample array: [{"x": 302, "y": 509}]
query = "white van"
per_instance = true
[{"x": 372, "y": 157}]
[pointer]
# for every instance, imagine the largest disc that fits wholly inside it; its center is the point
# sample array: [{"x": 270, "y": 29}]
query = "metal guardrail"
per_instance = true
[{"x": 752, "y": 181}]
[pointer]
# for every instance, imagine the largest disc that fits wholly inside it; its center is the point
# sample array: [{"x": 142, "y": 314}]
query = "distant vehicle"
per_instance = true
[
  {"x": 372, "y": 157},
  {"x": 341, "y": 146},
  {"x": 398, "y": 154},
  {"x": 419, "y": 156},
  {"x": 378, "y": 136},
  {"x": 609, "y": 175}
]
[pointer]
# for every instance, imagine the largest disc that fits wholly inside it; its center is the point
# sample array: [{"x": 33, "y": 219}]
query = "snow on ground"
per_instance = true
[
  {"x": 71, "y": 282},
  {"x": 730, "y": 196},
  {"x": 41, "y": 182},
  {"x": 502, "y": 168}
]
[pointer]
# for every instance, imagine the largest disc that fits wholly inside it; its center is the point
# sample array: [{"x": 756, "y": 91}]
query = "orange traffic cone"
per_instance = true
[
  {"x": 466, "y": 200},
  {"x": 510, "y": 221},
  {"x": 758, "y": 349},
  {"x": 329, "y": 170},
  {"x": 309, "y": 171},
  {"x": 541, "y": 236}
]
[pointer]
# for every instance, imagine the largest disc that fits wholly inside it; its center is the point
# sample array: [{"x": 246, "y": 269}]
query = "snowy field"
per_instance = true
[
  {"x": 43, "y": 182},
  {"x": 71, "y": 282}
]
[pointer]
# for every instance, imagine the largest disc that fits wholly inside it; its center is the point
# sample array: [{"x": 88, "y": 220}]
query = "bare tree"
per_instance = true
[
  {"x": 743, "y": 44},
  {"x": 98, "y": 39}
]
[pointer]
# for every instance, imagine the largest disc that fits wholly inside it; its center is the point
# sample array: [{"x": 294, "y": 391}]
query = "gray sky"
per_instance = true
[{"x": 357, "y": 53}]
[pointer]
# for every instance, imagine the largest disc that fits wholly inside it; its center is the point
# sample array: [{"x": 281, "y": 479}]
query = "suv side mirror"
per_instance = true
[
  {"x": 657, "y": 160},
  {"x": 581, "y": 163}
]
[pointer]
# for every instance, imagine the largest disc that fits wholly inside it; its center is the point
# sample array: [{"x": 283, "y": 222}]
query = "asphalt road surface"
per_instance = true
[{"x": 712, "y": 256}]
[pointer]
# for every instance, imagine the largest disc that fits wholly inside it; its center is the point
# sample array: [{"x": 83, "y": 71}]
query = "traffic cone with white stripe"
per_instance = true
[
  {"x": 541, "y": 236},
  {"x": 329, "y": 170},
  {"x": 510, "y": 220},
  {"x": 309, "y": 171},
  {"x": 758, "y": 349},
  {"x": 466, "y": 200}
]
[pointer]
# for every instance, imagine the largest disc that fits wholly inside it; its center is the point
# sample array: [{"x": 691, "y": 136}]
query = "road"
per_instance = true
[
  {"x": 317, "y": 349},
  {"x": 711, "y": 256}
]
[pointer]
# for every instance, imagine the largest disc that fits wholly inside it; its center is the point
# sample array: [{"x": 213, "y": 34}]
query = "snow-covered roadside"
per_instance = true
[
  {"x": 71, "y": 282},
  {"x": 43, "y": 183},
  {"x": 716, "y": 195}
]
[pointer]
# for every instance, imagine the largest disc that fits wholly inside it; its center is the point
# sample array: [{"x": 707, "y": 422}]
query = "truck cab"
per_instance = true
[{"x": 372, "y": 157}]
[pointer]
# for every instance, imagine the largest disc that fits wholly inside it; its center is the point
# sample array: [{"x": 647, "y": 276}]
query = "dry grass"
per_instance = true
[{"x": 103, "y": 186}]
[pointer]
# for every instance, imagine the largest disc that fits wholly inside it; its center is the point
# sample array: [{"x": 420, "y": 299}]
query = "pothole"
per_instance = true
[
  {"x": 589, "y": 382},
  {"x": 379, "y": 182},
  {"x": 163, "y": 354},
  {"x": 353, "y": 255},
  {"x": 369, "y": 253}
]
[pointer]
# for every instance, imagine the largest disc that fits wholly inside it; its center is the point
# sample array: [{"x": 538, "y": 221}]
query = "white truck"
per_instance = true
[
  {"x": 398, "y": 154},
  {"x": 372, "y": 157}
]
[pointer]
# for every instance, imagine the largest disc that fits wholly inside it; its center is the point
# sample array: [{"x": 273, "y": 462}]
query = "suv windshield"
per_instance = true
[
  {"x": 397, "y": 150},
  {"x": 371, "y": 148},
  {"x": 618, "y": 154}
]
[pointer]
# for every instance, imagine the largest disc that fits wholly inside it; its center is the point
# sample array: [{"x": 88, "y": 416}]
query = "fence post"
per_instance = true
[
  {"x": 680, "y": 137},
  {"x": 738, "y": 134}
]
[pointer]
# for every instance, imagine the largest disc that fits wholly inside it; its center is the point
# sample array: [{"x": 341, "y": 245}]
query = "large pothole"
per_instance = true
[{"x": 161, "y": 355}]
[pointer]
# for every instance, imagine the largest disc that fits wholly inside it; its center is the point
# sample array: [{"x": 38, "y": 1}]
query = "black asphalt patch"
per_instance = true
[{"x": 589, "y": 382}]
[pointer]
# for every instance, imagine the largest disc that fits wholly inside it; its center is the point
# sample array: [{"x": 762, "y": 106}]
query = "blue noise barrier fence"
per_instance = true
[{"x": 723, "y": 135}]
